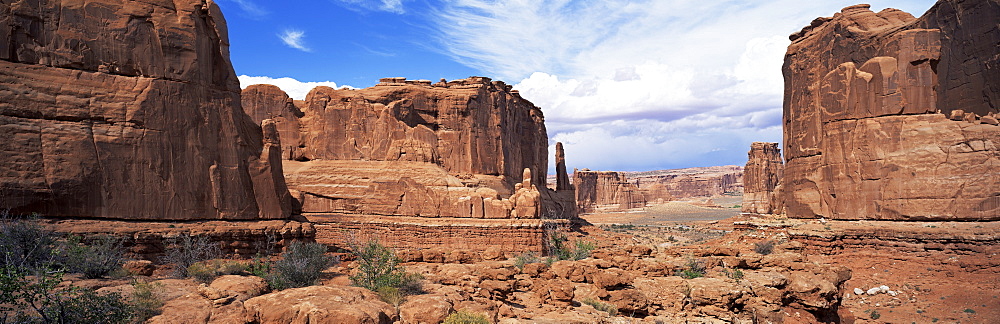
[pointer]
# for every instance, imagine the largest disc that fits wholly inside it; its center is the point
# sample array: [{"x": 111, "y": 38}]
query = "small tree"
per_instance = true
[{"x": 378, "y": 266}]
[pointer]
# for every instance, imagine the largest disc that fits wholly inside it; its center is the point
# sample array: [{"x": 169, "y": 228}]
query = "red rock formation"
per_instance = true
[
  {"x": 456, "y": 164},
  {"x": 562, "y": 179},
  {"x": 866, "y": 100},
  {"x": 761, "y": 177},
  {"x": 596, "y": 188},
  {"x": 128, "y": 110},
  {"x": 265, "y": 101},
  {"x": 676, "y": 184},
  {"x": 409, "y": 148},
  {"x": 469, "y": 126}
]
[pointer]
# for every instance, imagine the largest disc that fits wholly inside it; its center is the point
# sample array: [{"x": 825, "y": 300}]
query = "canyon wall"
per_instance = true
[
  {"x": 761, "y": 177},
  {"x": 891, "y": 117},
  {"x": 129, "y": 110},
  {"x": 470, "y": 148},
  {"x": 677, "y": 184},
  {"x": 611, "y": 190},
  {"x": 453, "y": 164}
]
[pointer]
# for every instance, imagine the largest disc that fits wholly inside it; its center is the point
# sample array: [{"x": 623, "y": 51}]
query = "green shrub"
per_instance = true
[
  {"x": 38, "y": 299},
  {"x": 466, "y": 317},
  {"x": 300, "y": 265},
  {"x": 146, "y": 300},
  {"x": 557, "y": 247},
  {"x": 693, "y": 269},
  {"x": 609, "y": 308},
  {"x": 185, "y": 250},
  {"x": 764, "y": 248},
  {"x": 24, "y": 243},
  {"x": 98, "y": 259},
  {"x": 378, "y": 266},
  {"x": 735, "y": 274}
]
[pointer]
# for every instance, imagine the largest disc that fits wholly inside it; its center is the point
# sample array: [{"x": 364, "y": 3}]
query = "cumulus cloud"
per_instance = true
[
  {"x": 393, "y": 6},
  {"x": 633, "y": 85},
  {"x": 295, "y": 38},
  {"x": 294, "y": 88}
]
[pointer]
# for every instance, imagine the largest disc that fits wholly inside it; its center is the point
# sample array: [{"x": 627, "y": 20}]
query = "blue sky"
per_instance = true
[{"x": 625, "y": 85}]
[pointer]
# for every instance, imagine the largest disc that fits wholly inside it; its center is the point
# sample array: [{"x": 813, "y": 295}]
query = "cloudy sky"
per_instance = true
[{"x": 625, "y": 85}]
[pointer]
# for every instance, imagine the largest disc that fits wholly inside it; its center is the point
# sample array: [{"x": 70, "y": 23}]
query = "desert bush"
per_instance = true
[
  {"x": 466, "y": 317},
  {"x": 185, "y": 250},
  {"x": 558, "y": 248},
  {"x": 392, "y": 295},
  {"x": 609, "y": 308},
  {"x": 378, "y": 266},
  {"x": 39, "y": 299},
  {"x": 300, "y": 266},
  {"x": 146, "y": 300},
  {"x": 735, "y": 274},
  {"x": 206, "y": 271},
  {"x": 764, "y": 247},
  {"x": 97, "y": 259},
  {"x": 526, "y": 258},
  {"x": 24, "y": 244},
  {"x": 693, "y": 269}
]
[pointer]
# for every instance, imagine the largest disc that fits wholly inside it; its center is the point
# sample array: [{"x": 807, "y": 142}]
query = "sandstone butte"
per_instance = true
[
  {"x": 458, "y": 163},
  {"x": 605, "y": 190},
  {"x": 891, "y": 117},
  {"x": 129, "y": 110}
]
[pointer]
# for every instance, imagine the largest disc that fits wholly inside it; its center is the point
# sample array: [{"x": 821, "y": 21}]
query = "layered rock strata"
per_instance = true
[
  {"x": 605, "y": 190},
  {"x": 868, "y": 98},
  {"x": 129, "y": 110},
  {"x": 150, "y": 240},
  {"x": 678, "y": 184},
  {"x": 761, "y": 177},
  {"x": 457, "y": 164},
  {"x": 469, "y": 148}
]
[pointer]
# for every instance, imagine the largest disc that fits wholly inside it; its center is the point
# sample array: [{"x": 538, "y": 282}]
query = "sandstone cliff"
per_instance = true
[
  {"x": 867, "y": 101},
  {"x": 595, "y": 189},
  {"x": 761, "y": 177},
  {"x": 411, "y": 148},
  {"x": 128, "y": 110},
  {"x": 666, "y": 185}
]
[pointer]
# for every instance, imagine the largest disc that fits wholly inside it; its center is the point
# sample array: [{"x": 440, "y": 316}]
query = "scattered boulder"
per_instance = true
[{"x": 319, "y": 304}]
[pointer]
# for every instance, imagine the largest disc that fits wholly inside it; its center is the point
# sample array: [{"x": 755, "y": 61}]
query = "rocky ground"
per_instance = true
[{"x": 733, "y": 270}]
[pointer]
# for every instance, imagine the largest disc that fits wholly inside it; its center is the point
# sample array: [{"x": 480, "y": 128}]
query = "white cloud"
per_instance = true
[
  {"x": 250, "y": 8},
  {"x": 295, "y": 38},
  {"x": 641, "y": 84},
  {"x": 294, "y": 88},
  {"x": 393, "y": 6}
]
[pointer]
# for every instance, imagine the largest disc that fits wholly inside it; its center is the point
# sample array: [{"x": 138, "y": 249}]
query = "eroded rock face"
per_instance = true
[
  {"x": 265, "y": 101},
  {"x": 469, "y": 148},
  {"x": 666, "y": 185},
  {"x": 761, "y": 177},
  {"x": 867, "y": 96},
  {"x": 596, "y": 188},
  {"x": 128, "y": 110}
]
